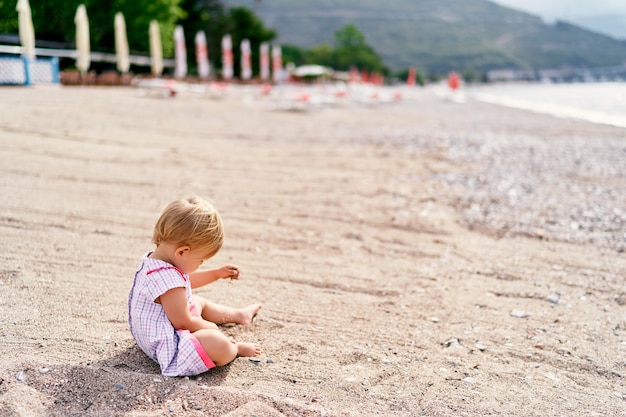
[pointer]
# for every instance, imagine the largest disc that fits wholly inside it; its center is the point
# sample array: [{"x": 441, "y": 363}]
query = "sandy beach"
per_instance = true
[{"x": 422, "y": 258}]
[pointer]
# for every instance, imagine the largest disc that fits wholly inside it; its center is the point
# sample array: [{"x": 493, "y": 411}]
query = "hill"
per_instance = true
[{"x": 442, "y": 35}]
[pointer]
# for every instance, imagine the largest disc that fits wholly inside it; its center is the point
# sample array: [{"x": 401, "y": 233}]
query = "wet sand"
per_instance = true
[{"x": 420, "y": 258}]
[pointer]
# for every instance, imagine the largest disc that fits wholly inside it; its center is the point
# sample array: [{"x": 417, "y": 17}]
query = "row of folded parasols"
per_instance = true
[{"x": 83, "y": 53}]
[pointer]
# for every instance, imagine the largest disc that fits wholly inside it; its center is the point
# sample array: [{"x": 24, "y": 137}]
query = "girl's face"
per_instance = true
[{"x": 190, "y": 260}]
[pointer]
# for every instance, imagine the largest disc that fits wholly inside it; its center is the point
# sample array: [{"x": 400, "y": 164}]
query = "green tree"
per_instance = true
[
  {"x": 321, "y": 55},
  {"x": 349, "y": 37},
  {"x": 294, "y": 54},
  {"x": 8, "y": 16},
  {"x": 352, "y": 50}
]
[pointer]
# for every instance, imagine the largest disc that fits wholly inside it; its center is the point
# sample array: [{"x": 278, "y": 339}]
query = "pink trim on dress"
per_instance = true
[
  {"x": 168, "y": 267},
  {"x": 208, "y": 362}
]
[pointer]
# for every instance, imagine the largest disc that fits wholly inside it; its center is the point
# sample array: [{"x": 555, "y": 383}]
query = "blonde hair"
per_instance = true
[{"x": 192, "y": 222}]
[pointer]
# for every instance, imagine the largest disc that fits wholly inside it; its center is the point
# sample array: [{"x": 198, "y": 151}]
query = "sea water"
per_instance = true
[{"x": 600, "y": 102}]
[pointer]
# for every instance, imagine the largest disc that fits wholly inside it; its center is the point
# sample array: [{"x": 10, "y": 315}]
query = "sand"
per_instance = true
[{"x": 399, "y": 273}]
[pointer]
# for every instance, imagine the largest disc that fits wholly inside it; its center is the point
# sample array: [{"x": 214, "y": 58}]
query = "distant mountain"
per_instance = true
[{"x": 442, "y": 35}]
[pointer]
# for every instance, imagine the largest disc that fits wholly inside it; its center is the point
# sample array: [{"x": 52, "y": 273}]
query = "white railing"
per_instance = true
[{"x": 95, "y": 56}]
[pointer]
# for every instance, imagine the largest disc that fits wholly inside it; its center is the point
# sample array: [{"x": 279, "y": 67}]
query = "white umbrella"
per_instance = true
[
  {"x": 265, "y": 61},
  {"x": 156, "y": 50},
  {"x": 202, "y": 54},
  {"x": 227, "y": 57},
  {"x": 246, "y": 64},
  {"x": 180, "y": 52},
  {"x": 121, "y": 44},
  {"x": 27, "y": 32},
  {"x": 82, "y": 39},
  {"x": 311, "y": 71}
]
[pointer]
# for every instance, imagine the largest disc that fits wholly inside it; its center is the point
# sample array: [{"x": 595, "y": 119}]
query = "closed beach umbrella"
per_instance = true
[
  {"x": 156, "y": 50},
  {"x": 121, "y": 44},
  {"x": 180, "y": 53},
  {"x": 27, "y": 32},
  {"x": 202, "y": 55},
  {"x": 411, "y": 77},
  {"x": 246, "y": 64},
  {"x": 354, "y": 75},
  {"x": 277, "y": 63},
  {"x": 227, "y": 57},
  {"x": 265, "y": 61},
  {"x": 82, "y": 39}
]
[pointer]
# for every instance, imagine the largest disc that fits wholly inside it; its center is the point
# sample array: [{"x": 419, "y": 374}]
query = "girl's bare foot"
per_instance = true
[
  {"x": 248, "y": 349},
  {"x": 248, "y": 314}
]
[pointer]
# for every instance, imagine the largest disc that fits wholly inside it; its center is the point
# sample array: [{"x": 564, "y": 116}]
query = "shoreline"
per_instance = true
[{"x": 539, "y": 104}]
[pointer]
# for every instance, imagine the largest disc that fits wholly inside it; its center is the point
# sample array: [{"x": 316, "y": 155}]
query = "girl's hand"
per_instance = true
[{"x": 229, "y": 271}]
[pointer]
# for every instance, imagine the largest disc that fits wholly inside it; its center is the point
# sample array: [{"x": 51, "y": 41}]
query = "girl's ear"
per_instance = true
[{"x": 181, "y": 250}]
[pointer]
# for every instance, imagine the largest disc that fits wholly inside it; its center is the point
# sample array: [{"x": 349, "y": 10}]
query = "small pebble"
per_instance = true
[
  {"x": 386, "y": 362},
  {"x": 43, "y": 370},
  {"x": 553, "y": 298},
  {"x": 553, "y": 377},
  {"x": 480, "y": 347},
  {"x": 470, "y": 380},
  {"x": 452, "y": 343},
  {"x": 21, "y": 376},
  {"x": 269, "y": 360},
  {"x": 119, "y": 385},
  {"x": 520, "y": 314}
]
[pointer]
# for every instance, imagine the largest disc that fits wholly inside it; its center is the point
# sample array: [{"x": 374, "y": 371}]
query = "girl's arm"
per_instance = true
[
  {"x": 176, "y": 308},
  {"x": 207, "y": 276}
]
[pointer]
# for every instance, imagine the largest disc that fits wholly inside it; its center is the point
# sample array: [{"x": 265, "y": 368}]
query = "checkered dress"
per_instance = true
[{"x": 178, "y": 352}]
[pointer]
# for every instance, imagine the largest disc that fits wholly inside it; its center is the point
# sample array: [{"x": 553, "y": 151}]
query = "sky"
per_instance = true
[
  {"x": 608, "y": 16},
  {"x": 563, "y": 9}
]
